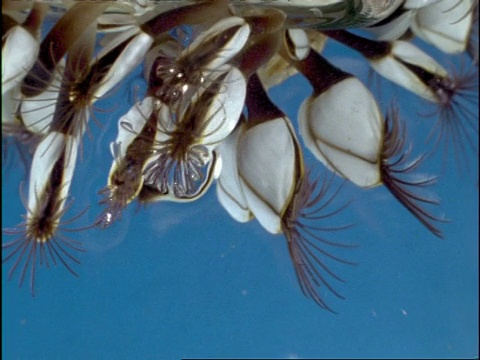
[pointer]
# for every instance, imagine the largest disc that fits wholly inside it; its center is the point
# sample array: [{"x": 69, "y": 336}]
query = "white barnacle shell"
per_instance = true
[
  {"x": 130, "y": 57},
  {"x": 267, "y": 161},
  {"x": 37, "y": 111},
  {"x": 17, "y": 60},
  {"x": 229, "y": 190},
  {"x": 394, "y": 68},
  {"x": 343, "y": 128},
  {"x": 225, "y": 108},
  {"x": 130, "y": 126},
  {"x": 299, "y": 46},
  {"x": 222, "y": 41},
  {"x": 445, "y": 24}
]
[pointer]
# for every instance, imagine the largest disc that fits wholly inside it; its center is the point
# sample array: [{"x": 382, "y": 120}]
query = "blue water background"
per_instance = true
[{"x": 185, "y": 280}]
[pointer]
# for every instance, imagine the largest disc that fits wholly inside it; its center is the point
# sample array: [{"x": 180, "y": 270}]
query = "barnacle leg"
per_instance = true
[
  {"x": 396, "y": 168},
  {"x": 456, "y": 127},
  {"x": 309, "y": 250}
]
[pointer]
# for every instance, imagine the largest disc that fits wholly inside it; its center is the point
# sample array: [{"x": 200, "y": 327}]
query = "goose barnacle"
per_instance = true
[
  {"x": 186, "y": 138},
  {"x": 267, "y": 180},
  {"x": 39, "y": 240},
  {"x": 406, "y": 65}
]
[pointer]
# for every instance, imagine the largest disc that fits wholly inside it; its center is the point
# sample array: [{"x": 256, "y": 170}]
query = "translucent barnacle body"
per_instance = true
[
  {"x": 183, "y": 159},
  {"x": 173, "y": 73},
  {"x": 130, "y": 151}
]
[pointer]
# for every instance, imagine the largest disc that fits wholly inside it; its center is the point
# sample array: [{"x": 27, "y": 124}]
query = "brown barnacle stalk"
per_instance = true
[
  {"x": 202, "y": 12},
  {"x": 315, "y": 64},
  {"x": 32, "y": 23},
  {"x": 396, "y": 172},
  {"x": 8, "y": 23},
  {"x": 257, "y": 53},
  {"x": 35, "y": 18},
  {"x": 76, "y": 89},
  {"x": 263, "y": 20},
  {"x": 371, "y": 49}
]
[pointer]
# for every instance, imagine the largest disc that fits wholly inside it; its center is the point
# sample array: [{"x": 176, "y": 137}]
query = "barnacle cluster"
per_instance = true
[{"x": 206, "y": 117}]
